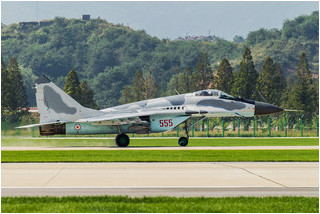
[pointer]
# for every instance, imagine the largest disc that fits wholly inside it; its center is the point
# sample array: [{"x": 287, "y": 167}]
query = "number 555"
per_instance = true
[{"x": 166, "y": 123}]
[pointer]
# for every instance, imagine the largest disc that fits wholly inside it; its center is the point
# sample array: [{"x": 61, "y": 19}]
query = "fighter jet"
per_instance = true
[{"x": 60, "y": 114}]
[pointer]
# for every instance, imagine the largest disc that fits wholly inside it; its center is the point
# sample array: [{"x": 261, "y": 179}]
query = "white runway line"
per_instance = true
[
  {"x": 187, "y": 178},
  {"x": 45, "y": 148},
  {"x": 175, "y": 191}
]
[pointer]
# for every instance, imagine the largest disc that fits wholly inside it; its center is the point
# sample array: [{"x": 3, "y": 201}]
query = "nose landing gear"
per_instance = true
[{"x": 183, "y": 141}]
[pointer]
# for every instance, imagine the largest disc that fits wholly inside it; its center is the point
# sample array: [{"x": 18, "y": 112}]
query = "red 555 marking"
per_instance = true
[{"x": 166, "y": 123}]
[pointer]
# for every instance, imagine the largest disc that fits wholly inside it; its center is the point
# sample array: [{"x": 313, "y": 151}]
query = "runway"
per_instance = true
[
  {"x": 46, "y": 148},
  {"x": 214, "y": 179}
]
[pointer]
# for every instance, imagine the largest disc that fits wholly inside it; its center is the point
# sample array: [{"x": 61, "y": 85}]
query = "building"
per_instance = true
[
  {"x": 45, "y": 23},
  {"x": 29, "y": 24},
  {"x": 85, "y": 17},
  {"x": 198, "y": 38}
]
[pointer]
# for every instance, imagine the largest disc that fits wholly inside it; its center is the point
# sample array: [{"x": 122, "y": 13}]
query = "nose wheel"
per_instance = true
[
  {"x": 183, "y": 141},
  {"x": 122, "y": 140}
]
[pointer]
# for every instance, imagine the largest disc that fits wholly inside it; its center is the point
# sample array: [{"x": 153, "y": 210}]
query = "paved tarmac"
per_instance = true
[
  {"x": 42, "y": 148},
  {"x": 214, "y": 179}
]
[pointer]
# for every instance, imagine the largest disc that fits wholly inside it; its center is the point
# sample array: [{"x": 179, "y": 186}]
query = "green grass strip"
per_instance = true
[
  {"x": 121, "y": 204},
  {"x": 61, "y": 142},
  {"x": 159, "y": 155}
]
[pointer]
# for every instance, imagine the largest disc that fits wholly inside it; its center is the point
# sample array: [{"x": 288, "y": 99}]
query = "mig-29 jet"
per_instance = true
[{"x": 60, "y": 114}]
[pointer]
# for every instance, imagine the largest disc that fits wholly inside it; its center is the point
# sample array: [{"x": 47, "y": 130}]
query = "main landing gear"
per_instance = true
[
  {"x": 183, "y": 141},
  {"x": 122, "y": 140}
]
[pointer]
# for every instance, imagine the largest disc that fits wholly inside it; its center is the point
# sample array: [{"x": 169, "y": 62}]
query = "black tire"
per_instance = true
[
  {"x": 122, "y": 140},
  {"x": 183, "y": 141}
]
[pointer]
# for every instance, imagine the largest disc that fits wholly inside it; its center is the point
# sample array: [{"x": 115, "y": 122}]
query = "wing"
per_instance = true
[
  {"x": 119, "y": 118},
  {"x": 111, "y": 118},
  {"x": 116, "y": 119}
]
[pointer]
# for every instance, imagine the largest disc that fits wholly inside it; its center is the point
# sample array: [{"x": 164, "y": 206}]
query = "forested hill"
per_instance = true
[{"x": 108, "y": 55}]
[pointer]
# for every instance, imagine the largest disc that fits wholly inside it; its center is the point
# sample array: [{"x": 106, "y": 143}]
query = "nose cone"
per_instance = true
[{"x": 262, "y": 108}]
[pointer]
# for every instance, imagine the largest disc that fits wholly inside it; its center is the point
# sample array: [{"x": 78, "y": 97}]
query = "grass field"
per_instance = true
[
  {"x": 159, "y": 156},
  {"x": 61, "y": 142},
  {"x": 120, "y": 204}
]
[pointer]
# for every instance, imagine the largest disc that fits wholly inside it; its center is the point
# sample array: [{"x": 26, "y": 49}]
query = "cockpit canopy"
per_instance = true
[{"x": 212, "y": 92}]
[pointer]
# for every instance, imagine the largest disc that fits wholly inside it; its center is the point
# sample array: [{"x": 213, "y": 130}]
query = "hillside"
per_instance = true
[{"x": 108, "y": 55}]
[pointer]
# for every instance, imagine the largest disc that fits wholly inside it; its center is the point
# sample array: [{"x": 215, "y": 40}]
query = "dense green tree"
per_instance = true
[
  {"x": 185, "y": 81},
  {"x": 223, "y": 79},
  {"x": 303, "y": 26},
  {"x": 303, "y": 95},
  {"x": 270, "y": 83},
  {"x": 238, "y": 39},
  {"x": 262, "y": 35},
  {"x": 279, "y": 83},
  {"x": 16, "y": 88},
  {"x": 203, "y": 72},
  {"x": 5, "y": 95},
  {"x": 13, "y": 92},
  {"x": 138, "y": 87},
  {"x": 246, "y": 78},
  {"x": 194, "y": 82},
  {"x": 126, "y": 95},
  {"x": 87, "y": 96},
  {"x": 176, "y": 79},
  {"x": 151, "y": 87},
  {"x": 181, "y": 82},
  {"x": 72, "y": 86}
]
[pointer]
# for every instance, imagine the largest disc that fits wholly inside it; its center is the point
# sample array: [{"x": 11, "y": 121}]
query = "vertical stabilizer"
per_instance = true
[{"x": 56, "y": 105}]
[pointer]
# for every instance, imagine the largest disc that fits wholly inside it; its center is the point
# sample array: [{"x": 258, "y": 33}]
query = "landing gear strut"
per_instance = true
[
  {"x": 122, "y": 140},
  {"x": 183, "y": 141}
]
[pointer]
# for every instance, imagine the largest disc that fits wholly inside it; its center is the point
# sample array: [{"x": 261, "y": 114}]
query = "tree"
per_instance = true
[
  {"x": 223, "y": 80},
  {"x": 185, "y": 81},
  {"x": 270, "y": 83},
  {"x": 151, "y": 88},
  {"x": 72, "y": 85},
  {"x": 4, "y": 86},
  {"x": 203, "y": 72},
  {"x": 13, "y": 92},
  {"x": 87, "y": 96},
  {"x": 138, "y": 86},
  {"x": 303, "y": 95},
  {"x": 238, "y": 39},
  {"x": 17, "y": 96},
  {"x": 246, "y": 78},
  {"x": 181, "y": 82},
  {"x": 176, "y": 79},
  {"x": 126, "y": 95}
]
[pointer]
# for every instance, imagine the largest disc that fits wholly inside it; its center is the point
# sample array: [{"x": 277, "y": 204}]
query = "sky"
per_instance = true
[{"x": 167, "y": 19}]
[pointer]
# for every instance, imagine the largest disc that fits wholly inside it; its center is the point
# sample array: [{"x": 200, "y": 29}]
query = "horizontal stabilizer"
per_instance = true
[{"x": 40, "y": 124}]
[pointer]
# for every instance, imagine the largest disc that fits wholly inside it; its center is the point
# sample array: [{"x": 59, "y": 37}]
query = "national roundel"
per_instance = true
[{"x": 77, "y": 127}]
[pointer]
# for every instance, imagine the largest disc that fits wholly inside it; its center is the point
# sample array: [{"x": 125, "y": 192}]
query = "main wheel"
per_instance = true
[
  {"x": 183, "y": 141},
  {"x": 122, "y": 140}
]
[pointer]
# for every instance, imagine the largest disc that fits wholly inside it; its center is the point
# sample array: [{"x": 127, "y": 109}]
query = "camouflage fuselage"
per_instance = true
[{"x": 189, "y": 104}]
